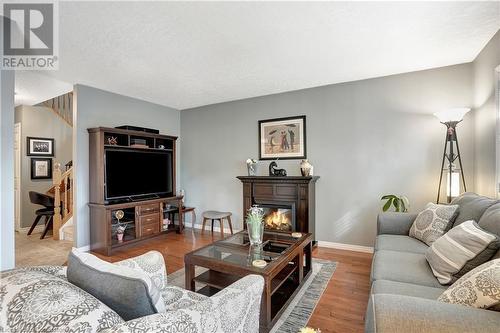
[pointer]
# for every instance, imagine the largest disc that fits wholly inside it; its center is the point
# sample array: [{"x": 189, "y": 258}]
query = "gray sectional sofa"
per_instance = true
[{"x": 404, "y": 291}]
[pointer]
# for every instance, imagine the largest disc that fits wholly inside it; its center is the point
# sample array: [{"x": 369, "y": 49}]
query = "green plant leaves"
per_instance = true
[
  {"x": 400, "y": 203},
  {"x": 387, "y": 205}
]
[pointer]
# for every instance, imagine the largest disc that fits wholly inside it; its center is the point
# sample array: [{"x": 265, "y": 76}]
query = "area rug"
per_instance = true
[{"x": 300, "y": 309}]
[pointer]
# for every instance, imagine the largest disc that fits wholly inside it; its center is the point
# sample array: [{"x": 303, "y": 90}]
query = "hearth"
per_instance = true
[{"x": 288, "y": 202}]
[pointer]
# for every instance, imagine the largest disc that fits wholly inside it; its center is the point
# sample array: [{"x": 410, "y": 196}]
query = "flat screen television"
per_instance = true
[{"x": 137, "y": 173}]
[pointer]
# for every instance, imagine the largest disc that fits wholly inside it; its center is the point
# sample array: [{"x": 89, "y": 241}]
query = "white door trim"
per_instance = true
[
  {"x": 17, "y": 175},
  {"x": 497, "y": 136}
]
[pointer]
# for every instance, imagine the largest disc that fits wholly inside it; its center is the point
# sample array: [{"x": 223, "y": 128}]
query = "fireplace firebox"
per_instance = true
[
  {"x": 279, "y": 217},
  {"x": 288, "y": 202}
]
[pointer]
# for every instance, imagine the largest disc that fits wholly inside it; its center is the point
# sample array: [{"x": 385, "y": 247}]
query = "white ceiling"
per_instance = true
[{"x": 188, "y": 54}]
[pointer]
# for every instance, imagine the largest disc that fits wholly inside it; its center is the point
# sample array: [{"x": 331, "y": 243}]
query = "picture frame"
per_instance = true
[
  {"x": 40, "y": 146},
  {"x": 283, "y": 138},
  {"x": 41, "y": 168}
]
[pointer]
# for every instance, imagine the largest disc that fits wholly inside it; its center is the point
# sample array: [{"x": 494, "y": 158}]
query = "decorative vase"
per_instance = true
[
  {"x": 252, "y": 169},
  {"x": 306, "y": 168},
  {"x": 119, "y": 237},
  {"x": 255, "y": 232}
]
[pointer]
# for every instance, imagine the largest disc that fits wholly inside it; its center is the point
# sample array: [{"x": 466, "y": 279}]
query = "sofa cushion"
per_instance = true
[
  {"x": 433, "y": 222},
  {"x": 408, "y": 289},
  {"x": 130, "y": 293},
  {"x": 480, "y": 288},
  {"x": 35, "y": 299},
  {"x": 490, "y": 220},
  {"x": 460, "y": 250},
  {"x": 400, "y": 243},
  {"x": 403, "y": 267},
  {"x": 471, "y": 207}
]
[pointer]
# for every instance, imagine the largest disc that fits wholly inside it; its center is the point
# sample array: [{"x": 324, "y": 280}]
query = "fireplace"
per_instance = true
[
  {"x": 279, "y": 217},
  {"x": 288, "y": 202}
]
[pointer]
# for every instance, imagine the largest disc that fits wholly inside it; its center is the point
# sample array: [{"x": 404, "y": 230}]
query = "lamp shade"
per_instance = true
[{"x": 455, "y": 114}]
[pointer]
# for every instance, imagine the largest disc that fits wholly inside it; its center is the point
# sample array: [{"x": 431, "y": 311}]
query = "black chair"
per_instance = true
[{"x": 48, "y": 211}]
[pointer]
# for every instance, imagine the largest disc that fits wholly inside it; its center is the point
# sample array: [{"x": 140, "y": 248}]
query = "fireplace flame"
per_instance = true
[{"x": 278, "y": 220}]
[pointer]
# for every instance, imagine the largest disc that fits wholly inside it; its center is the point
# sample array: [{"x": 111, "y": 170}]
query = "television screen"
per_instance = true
[{"x": 134, "y": 172}]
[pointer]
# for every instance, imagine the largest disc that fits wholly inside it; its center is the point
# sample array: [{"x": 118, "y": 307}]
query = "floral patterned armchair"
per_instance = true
[{"x": 40, "y": 299}]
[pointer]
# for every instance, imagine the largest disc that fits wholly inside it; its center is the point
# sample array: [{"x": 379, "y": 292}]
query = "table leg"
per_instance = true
[
  {"x": 181, "y": 214},
  {"x": 193, "y": 219},
  {"x": 189, "y": 277},
  {"x": 265, "y": 308}
]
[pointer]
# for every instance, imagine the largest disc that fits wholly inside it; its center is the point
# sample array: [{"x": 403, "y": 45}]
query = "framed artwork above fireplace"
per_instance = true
[{"x": 283, "y": 138}]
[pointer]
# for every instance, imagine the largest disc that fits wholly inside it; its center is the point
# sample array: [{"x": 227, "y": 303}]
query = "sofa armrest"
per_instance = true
[
  {"x": 150, "y": 263},
  {"x": 395, "y": 223},
  {"x": 233, "y": 309},
  {"x": 398, "y": 313}
]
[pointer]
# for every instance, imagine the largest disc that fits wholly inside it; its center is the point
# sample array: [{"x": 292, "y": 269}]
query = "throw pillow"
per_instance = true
[
  {"x": 480, "y": 288},
  {"x": 129, "y": 292},
  {"x": 460, "y": 250},
  {"x": 433, "y": 222}
]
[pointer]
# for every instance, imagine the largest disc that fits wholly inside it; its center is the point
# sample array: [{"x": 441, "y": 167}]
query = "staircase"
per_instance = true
[
  {"x": 62, "y": 107},
  {"x": 62, "y": 191}
]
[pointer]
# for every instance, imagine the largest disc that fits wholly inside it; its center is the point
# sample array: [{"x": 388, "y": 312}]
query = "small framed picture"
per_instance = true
[
  {"x": 41, "y": 168},
  {"x": 40, "y": 146},
  {"x": 283, "y": 138}
]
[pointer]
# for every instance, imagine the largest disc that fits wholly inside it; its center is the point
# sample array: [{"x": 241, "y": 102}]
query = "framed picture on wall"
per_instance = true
[
  {"x": 40, "y": 146},
  {"x": 41, "y": 168},
  {"x": 283, "y": 138}
]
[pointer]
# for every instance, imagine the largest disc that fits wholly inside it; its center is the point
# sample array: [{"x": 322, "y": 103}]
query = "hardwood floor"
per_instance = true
[{"x": 341, "y": 307}]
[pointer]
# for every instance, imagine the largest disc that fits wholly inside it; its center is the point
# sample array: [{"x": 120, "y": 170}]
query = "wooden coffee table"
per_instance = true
[{"x": 288, "y": 266}]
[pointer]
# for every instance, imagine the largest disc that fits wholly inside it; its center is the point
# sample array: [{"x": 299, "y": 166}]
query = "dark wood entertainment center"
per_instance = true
[{"x": 143, "y": 218}]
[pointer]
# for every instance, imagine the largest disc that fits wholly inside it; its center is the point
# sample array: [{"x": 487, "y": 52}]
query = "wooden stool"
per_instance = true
[{"x": 220, "y": 216}]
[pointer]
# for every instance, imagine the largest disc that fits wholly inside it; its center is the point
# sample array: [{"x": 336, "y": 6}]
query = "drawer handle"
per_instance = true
[
  {"x": 147, "y": 220},
  {"x": 149, "y": 229}
]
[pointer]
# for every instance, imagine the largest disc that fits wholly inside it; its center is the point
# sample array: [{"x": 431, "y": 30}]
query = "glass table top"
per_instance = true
[{"x": 237, "y": 250}]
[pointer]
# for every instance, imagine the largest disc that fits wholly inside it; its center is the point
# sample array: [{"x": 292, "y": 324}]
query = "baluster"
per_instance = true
[
  {"x": 56, "y": 180},
  {"x": 65, "y": 182}
]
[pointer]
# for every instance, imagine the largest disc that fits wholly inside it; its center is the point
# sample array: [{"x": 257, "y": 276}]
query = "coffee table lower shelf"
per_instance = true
[{"x": 225, "y": 264}]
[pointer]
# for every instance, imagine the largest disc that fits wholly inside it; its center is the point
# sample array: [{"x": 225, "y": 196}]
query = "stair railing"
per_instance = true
[{"x": 63, "y": 197}]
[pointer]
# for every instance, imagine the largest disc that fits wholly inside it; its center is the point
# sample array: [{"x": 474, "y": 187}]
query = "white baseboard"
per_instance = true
[
  {"x": 85, "y": 248},
  {"x": 39, "y": 228},
  {"x": 208, "y": 227},
  {"x": 348, "y": 247}
]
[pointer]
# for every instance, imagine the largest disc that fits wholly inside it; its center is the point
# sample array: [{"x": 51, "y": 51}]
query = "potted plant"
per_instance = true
[
  {"x": 400, "y": 203},
  {"x": 120, "y": 231},
  {"x": 255, "y": 224}
]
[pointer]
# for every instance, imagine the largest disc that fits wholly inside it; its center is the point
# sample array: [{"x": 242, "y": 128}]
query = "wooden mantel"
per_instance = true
[{"x": 293, "y": 189}]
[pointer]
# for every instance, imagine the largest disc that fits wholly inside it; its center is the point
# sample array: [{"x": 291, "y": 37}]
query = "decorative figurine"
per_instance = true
[
  {"x": 274, "y": 171},
  {"x": 112, "y": 140}
]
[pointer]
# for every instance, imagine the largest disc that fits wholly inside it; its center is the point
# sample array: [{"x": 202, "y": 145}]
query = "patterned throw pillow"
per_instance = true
[
  {"x": 480, "y": 288},
  {"x": 460, "y": 250},
  {"x": 432, "y": 222}
]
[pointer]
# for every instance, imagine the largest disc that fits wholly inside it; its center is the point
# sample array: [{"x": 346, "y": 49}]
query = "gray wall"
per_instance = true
[
  {"x": 38, "y": 121},
  {"x": 364, "y": 138},
  {"x": 485, "y": 116},
  {"x": 101, "y": 108}
]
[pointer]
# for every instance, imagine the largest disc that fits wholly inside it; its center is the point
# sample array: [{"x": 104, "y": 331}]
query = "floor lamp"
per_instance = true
[{"x": 450, "y": 118}]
